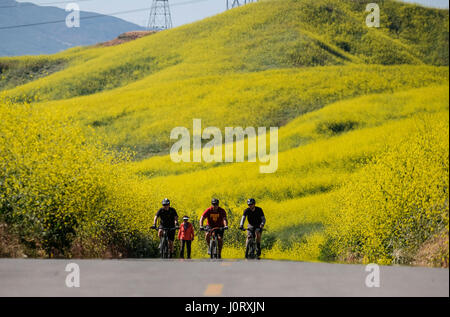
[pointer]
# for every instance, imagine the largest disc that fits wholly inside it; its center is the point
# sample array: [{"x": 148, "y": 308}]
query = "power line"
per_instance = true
[
  {"x": 63, "y": 21},
  {"x": 92, "y": 16},
  {"x": 26, "y": 4}
]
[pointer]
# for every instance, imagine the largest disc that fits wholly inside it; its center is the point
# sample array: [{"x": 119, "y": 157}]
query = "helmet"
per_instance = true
[
  {"x": 166, "y": 202},
  {"x": 251, "y": 201},
  {"x": 214, "y": 201}
]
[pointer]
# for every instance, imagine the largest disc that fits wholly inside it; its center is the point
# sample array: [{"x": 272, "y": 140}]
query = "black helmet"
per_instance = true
[
  {"x": 251, "y": 201},
  {"x": 214, "y": 201},
  {"x": 166, "y": 202}
]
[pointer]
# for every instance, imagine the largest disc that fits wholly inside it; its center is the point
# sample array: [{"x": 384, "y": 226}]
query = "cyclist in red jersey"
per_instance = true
[{"x": 216, "y": 217}]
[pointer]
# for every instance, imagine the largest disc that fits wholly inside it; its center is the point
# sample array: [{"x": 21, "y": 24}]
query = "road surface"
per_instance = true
[{"x": 189, "y": 278}]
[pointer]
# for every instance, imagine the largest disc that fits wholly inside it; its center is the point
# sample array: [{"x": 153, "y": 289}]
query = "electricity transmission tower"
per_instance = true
[
  {"x": 159, "y": 18},
  {"x": 236, "y": 3}
]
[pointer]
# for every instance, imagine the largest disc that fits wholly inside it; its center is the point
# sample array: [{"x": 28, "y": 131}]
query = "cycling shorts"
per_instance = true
[
  {"x": 170, "y": 234},
  {"x": 251, "y": 229},
  {"x": 219, "y": 233}
]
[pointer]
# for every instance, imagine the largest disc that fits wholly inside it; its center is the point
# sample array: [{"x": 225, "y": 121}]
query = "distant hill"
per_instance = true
[{"x": 54, "y": 37}]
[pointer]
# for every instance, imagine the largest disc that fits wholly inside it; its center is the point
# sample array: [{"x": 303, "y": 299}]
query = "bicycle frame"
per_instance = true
[
  {"x": 214, "y": 241},
  {"x": 164, "y": 245},
  {"x": 250, "y": 248}
]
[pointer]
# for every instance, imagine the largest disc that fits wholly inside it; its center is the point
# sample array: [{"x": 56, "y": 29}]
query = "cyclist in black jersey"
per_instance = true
[
  {"x": 168, "y": 219},
  {"x": 256, "y": 222}
]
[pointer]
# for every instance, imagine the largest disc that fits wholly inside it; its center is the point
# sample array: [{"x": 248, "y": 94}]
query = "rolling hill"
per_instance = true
[{"x": 347, "y": 99}]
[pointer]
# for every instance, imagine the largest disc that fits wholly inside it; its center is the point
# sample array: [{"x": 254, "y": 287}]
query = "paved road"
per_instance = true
[{"x": 151, "y": 277}]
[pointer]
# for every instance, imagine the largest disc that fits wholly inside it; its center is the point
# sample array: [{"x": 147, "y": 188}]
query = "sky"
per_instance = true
[{"x": 182, "y": 11}]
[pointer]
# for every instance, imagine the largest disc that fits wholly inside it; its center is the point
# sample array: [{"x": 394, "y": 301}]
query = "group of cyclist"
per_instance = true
[{"x": 216, "y": 218}]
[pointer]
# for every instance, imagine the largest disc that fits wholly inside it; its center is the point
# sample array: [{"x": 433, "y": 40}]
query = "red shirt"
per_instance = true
[{"x": 215, "y": 218}]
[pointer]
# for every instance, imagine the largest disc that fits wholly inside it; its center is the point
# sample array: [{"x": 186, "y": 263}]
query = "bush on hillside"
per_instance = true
[
  {"x": 57, "y": 187},
  {"x": 395, "y": 204}
]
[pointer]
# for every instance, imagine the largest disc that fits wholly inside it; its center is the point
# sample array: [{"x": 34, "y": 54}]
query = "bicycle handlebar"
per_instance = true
[
  {"x": 254, "y": 229},
  {"x": 166, "y": 228},
  {"x": 212, "y": 229}
]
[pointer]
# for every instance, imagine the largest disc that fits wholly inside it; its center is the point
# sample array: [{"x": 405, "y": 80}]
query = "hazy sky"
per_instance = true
[{"x": 183, "y": 11}]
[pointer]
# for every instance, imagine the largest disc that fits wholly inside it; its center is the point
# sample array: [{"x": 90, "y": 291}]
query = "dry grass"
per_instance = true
[
  {"x": 9, "y": 244},
  {"x": 434, "y": 252}
]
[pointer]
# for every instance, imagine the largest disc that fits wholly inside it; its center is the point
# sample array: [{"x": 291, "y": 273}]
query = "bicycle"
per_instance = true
[
  {"x": 250, "y": 249},
  {"x": 214, "y": 241},
  {"x": 164, "y": 245}
]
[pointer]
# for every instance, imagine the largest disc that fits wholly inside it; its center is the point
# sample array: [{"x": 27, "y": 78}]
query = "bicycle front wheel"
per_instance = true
[
  {"x": 164, "y": 249},
  {"x": 250, "y": 250},
  {"x": 212, "y": 248}
]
